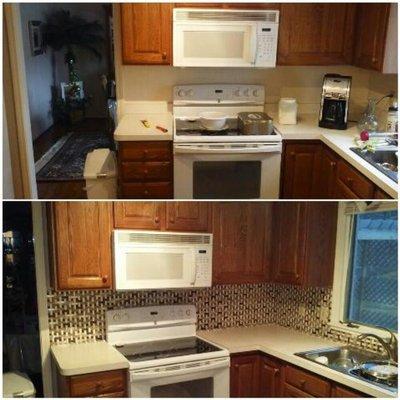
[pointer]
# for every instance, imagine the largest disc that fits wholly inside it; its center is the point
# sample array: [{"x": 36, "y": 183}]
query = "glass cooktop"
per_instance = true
[
  {"x": 156, "y": 350},
  {"x": 194, "y": 128}
]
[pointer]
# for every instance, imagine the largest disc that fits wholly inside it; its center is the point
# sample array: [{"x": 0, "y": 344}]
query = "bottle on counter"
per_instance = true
[
  {"x": 287, "y": 111},
  {"x": 392, "y": 118}
]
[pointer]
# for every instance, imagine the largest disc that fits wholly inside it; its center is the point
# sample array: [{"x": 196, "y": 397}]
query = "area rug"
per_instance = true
[{"x": 68, "y": 163}]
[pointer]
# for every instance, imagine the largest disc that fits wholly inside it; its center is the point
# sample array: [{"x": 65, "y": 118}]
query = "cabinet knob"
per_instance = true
[
  {"x": 333, "y": 164},
  {"x": 292, "y": 153},
  {"x": 172, "y": 220},
  {"x": 164, "y": 55},
  {"x": 302, "y": 382},
  {"x": 146, "y": 192},
  {"x": 156, "y": 220},
  {"x": 105, "y": 278},
  {"x": 276, "y": 371},
  {"x": 145, "y": 171}
]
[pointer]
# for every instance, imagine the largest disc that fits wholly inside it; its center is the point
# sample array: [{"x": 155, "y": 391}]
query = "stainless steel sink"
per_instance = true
[
  {"x": 347, "y": 359},
  {"x": 384, "y": 160}
]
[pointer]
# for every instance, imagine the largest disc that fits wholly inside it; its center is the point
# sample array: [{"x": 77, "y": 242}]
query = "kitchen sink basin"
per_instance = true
[
  {"x": 383, "y": 160},
  {"x": 347, "y": 359}
]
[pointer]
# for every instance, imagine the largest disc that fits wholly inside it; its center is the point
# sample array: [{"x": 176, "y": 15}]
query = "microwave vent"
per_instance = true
[
  {"x": 209, "y": 15},
  {"x": 166, "y": 238}
]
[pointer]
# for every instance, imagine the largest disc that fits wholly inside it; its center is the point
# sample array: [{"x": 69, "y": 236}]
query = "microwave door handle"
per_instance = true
[
  {"x": 255, "y": 44},
  {"x": 194, "y": 274}
]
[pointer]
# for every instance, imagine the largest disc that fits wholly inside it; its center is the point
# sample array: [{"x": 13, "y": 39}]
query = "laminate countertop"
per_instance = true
[
  {"x": 86, "y": 358},
  {"x": 283, "y": 343},
  {"x": 340, "y": 142}
]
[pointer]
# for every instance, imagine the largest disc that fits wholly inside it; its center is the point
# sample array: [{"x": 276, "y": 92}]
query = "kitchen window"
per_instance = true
[{"x": 366, "y": 277}]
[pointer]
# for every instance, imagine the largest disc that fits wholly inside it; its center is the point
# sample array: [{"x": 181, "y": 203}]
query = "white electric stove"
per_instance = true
[
  {"x": 222, "y": 164},
  {"x": 166, "y": 357}
]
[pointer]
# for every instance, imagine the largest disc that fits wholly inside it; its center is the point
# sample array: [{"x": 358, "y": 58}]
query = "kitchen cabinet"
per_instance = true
[
  {"x": 185, "y": 216},
  {"x": 98, "y": 384},
  {"x": 241, "y": 242},
  {"x": 380, "y": 194},
  {"x": 145, "y": 170},
  {"x": 81, "y": 244},
  {"x": 300, "y": 169},
  {"x": 372, "y": 25},
  {"x": 343, "y": 392},
  {"x": 304, "y": 240},
  {"x": 270, "y": 377},
  {"x": 244, "y": 375},
  {"x": 146, "y": 31},
  {"x": 326, "y": 175},
  {"x": 316, "y": 34}
]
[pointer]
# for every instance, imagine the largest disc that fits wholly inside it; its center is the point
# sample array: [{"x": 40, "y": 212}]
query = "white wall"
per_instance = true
[{"x": 39, "y": 69}]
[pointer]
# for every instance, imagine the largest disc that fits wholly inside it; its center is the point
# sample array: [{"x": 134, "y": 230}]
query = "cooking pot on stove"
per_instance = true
[{"x": 255, "y": 123}]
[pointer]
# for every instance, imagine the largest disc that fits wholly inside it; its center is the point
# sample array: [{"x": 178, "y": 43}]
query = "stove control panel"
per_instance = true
[{"x": 218, "y": 94}]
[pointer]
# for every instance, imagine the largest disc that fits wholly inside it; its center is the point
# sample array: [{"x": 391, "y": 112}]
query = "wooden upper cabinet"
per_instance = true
[
  {"x": 139, "y": 215},
  {"x": 192, "y": 216},
  {"x": 316, "y": 34},
  {"x": 300, "y": 170},
  {"x": 146, "y": 33},
  {"x": 244, "y": 375},
  {"x": 372, "y": 23},
  {"x": 304, "y": 246},
  {"x": 81, "y": 241},
  {"x": 241, "y": 242}
]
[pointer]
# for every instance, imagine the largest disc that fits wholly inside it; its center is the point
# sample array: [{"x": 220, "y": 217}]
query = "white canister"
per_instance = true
[{"x": 287, "y": 111}]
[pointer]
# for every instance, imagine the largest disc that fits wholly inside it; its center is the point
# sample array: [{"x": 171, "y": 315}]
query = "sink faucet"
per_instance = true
[{"x": 390, "y": 345}]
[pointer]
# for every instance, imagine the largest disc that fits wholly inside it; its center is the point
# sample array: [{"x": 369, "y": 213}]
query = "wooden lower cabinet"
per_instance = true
[
  {"x": 98, "y": 384},
  {"x": 311, "y": 170},
  {"x": 255, "y": 374}
]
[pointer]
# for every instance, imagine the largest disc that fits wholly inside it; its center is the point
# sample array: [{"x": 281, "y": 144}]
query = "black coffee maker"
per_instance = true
[{"x": 334, "y": 101}]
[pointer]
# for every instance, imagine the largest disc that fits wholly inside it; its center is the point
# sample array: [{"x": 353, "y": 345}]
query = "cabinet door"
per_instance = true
[
  {"x": 241, "y": 242},
  {"x": 82, "y": 244},
  {"x": 372, "y": 22},
  {"x": 146, "y": 33},
  {"x": 139, "y": 215},
  {"x": 188, "y": 216},
  {"x": 289, "y": 242},
  {"x": 344, "y": 392},
  {"x": 270, "y": 377},
  {"x": 300, "y": 170},
  {"x": 244, "y": 376},
  {"x": 327, "y": 175},
  {"x": 316, "y": 34}
]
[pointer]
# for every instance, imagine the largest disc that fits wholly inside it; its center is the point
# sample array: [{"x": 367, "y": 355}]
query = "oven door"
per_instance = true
[
  {"x": 234, "y": 171},
  {"x": 208, "y": 378},
  {"x": 225, "y": 44}
]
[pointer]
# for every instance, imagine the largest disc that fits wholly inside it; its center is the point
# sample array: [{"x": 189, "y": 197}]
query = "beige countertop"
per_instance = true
[
  {"x": 130, "y": 127},
  {"x": 339, "y": 141},
  {"x": 86, "y": 358},
  {"x": 283, "y": 343}
]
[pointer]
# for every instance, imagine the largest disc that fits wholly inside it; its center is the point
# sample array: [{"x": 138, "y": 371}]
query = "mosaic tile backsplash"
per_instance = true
[{"x": 79, "y": 316}]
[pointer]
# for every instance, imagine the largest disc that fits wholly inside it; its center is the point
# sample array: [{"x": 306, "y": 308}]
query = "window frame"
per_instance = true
[{"x": 343, "y": 253}]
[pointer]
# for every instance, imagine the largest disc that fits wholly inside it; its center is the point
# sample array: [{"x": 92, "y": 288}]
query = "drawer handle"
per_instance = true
[{"x": 105, "y": 278}]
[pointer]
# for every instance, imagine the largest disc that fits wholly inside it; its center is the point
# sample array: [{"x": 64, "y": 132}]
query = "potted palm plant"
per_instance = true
[{"x": 65, "y": 32}]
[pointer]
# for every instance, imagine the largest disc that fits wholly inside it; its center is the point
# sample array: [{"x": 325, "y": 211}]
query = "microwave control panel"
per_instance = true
[
  {"x": 203, "y": 267},
  {"x": 267, "y": 44}
]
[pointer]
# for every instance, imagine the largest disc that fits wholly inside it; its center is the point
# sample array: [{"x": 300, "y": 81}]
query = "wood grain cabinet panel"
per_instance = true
[
  {"x": 300, "y": 170},
  {"x": 81, "y": 241},
  {"x": 139, "y": 215},
  {"x": 343, "y": 392},
  {"x": 327, "y": 174},
  {"x": 292, "y": 392},
  {"x": 316, "y": 34},
  {"x": 244, "y": 376},
  {"x": 188, "y": 216},
  {"x": 241, "y": 242},
  {"x": 270, "y": 377},
  {"x": 372, "y": 23},
  {"x": 146, "y": 33}
]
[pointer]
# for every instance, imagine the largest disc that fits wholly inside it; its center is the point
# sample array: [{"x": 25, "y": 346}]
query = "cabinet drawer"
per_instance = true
[
  {"x": 146, "y": 171},
  {"x": 98, "y": 384},
  {"x": 145, "y": 151},
  {"x": 146, "y": 190},
  {"x": 307, "y": 382},
  {"x": 290, "y": 391},
  {"x": 353, "y": 180}
]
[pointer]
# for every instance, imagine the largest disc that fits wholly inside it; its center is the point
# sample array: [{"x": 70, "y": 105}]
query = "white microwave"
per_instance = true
[
  {"x": 225, "y": 38},
  {"x": 161, "y": 260}
]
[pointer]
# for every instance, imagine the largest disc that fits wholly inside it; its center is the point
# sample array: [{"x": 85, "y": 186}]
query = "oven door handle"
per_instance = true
[
  {"x": 184, "y": 370},
  {"x": 182, "y": 149}
]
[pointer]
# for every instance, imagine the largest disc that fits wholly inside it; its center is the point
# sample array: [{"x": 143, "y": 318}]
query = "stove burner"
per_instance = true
[{"x": 165, "y": 349}]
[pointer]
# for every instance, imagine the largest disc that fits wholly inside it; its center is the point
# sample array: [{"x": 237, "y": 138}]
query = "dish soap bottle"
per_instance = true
[{"x": 392, "y": 118}]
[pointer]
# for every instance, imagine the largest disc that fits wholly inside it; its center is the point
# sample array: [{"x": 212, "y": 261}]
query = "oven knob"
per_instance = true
[
  {"x": 190, "y": 92},
  {"x": 238, "y": 92},
  {"x": 188, "y": 313},
  {"x": 116, "y": 317},
  {"x": 181, "y": 93},
  {"x": 247, "y": 92},
  {"x": 256, "y": 93}
]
